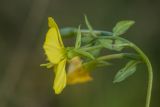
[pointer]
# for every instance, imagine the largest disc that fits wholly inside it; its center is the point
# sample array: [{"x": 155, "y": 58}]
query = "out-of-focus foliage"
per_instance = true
[{"x": 23, "y": 24}]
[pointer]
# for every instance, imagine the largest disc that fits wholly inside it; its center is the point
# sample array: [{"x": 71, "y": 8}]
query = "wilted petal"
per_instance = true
[
  {"x": 78, "y": 76},
  {"x": 77, "y": 73}
]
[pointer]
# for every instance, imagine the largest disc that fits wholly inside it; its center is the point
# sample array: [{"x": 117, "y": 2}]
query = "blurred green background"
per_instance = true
[{"x": 23, "y": 24}]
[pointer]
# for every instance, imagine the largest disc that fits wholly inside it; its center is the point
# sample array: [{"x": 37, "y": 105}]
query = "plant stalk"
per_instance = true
[
  {"x": 150, "y": 73},
  {"x": 146, "y": 61}
]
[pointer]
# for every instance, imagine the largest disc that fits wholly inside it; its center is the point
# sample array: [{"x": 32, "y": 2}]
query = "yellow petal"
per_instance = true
[
  {"x": 53, "y": 45},
  {"x": 52, "y": 24},
  {"x": 60, "y": 77},
  {"x": 77, "y": 73}
]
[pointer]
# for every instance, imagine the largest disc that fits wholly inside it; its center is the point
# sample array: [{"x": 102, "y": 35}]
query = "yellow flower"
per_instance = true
[
  {"x": 57, "y": 56},
  {"x": 55, "y": 52},
  {"x": 77, "y": 73}
]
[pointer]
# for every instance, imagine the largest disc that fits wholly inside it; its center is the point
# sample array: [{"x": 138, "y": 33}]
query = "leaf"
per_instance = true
[
  {"x": 125, "y": 72},
  {"x": 84, "y": 53},
  {"x": 116, "y": 45},
  {"x": 47, "y": 65},
  {"x": 96, "y": 52},
  {"x": 103, "y": 63},
  {"x": 89, "y": 26},
  {"x": 78, "y": 39},
  {"x": 121, "y": 27},
  {"x": 87, "y": 39}
]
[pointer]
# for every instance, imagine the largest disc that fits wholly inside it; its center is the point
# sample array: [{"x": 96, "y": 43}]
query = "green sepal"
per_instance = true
[
  {"x": 125, "y": 72},
  {"x": 122, "y": 26}
]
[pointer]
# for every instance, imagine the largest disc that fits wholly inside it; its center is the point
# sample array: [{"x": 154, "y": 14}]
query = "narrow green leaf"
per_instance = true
[
  {"x": 47, "y": 65},
  {"x": 78, "y": 39},
  {"x": 87, "y": 39},
  {"x": 116, "y": 45},
  {"x": 121, "y": 27},
  {"x": 85, "y": 54},
  {"x": 89, "y": 26},
  {"x": 103, "y": 63},
  {"x": 125, "y": 72}
]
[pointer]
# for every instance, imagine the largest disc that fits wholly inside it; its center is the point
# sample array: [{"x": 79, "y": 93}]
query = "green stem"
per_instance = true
[
  {"x": 71, "y": 31},
  {"x": 91, "y": 48},
  {"x": 146, "y": 61},
  {"x": 106, "y": 57},
  {"x": 98, "y": 32},
  {"x": 150, "y": 74},
  {"x": 149, "y": 67},
  {"x": 118, "y": 56},
  {"x": 113, "y": 56}
]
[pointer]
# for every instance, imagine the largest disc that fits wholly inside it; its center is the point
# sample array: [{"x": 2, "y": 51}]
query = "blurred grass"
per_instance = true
[{"x": 23, "y": 24}]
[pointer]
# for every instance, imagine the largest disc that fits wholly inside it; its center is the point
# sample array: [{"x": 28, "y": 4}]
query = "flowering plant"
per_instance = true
[{"x": 72, "y": 65}]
